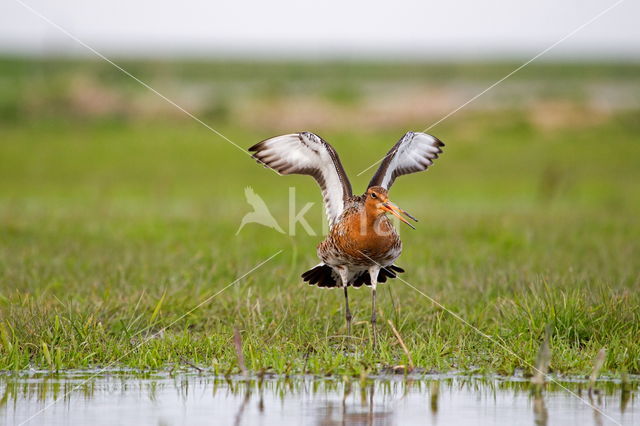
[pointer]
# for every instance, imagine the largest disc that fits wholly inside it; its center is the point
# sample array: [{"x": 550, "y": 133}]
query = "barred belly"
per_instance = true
[{"x": 347, "y": 246}]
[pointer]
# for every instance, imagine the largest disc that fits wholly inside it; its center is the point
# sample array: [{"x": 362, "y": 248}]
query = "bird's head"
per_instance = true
[{"x": 377, "y": 201}]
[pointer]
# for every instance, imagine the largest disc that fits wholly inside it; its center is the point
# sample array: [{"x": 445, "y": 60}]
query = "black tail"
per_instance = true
[{"x": 324, "y": 276}]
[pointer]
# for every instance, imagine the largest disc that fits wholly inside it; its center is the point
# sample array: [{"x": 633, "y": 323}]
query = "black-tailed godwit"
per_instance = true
[{"x": 362, "y": 244}]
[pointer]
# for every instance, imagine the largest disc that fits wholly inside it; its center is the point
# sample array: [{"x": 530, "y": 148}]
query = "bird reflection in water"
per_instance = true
[{"x": 195, "y": 398}]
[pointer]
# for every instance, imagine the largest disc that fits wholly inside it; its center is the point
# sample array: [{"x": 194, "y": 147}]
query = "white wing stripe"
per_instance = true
[
  {"x": 414, "y": 152},
  {"x": 307, "y": 153}
]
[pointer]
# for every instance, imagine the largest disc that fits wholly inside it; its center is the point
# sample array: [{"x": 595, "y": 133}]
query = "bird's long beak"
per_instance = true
[{"x": 396, "y": 211}]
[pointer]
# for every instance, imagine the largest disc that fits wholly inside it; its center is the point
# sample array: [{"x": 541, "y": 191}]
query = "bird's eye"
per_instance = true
[{"x": 373, "y": 195}]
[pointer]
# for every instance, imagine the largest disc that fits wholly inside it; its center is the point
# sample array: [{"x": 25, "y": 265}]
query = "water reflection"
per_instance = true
[{"x": 185, "y": 398}]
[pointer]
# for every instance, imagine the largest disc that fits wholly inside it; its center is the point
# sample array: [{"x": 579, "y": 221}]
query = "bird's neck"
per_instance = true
[{"x": 370, "y": 221}]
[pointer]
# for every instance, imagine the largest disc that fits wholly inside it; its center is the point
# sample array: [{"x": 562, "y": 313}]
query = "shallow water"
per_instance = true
[{"x": 189, "y": 398}]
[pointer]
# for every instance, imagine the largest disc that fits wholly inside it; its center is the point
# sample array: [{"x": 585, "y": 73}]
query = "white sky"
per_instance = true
[{"x": 414, "y": 29}]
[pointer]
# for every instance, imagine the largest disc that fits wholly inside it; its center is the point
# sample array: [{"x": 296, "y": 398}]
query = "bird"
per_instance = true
[
  {"x": 362, "y": 243},
  {"x": 260, "y": 213}
]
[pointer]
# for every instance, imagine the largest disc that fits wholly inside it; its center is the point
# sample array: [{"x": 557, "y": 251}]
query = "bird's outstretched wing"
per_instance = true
[
  {"x": 414, "y": 152},
  {"x": 308, "y": 154}
]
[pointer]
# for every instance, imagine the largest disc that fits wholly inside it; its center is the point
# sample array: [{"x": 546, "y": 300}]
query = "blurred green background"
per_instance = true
[{"x": 118, "y": 212}]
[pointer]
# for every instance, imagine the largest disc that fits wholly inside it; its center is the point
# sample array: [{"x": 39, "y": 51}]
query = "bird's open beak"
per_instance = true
[{"x": 397, "y": 211}]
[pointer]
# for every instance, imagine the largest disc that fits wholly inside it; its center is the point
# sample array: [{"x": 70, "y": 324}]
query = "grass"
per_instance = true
[{"x": 112, "y": 229}]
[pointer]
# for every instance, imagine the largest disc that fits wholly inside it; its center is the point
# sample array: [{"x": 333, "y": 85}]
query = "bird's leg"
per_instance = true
[
  {"x": 347, "y": 312},
  {"x": 373, "y": 273},
  {"x": 344, "y": 276}
]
